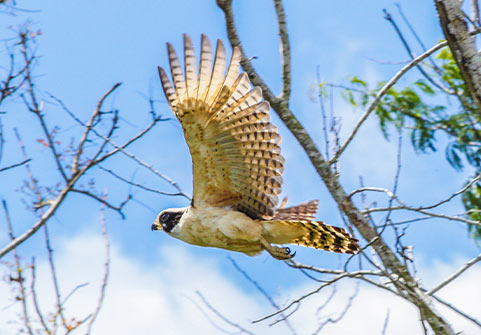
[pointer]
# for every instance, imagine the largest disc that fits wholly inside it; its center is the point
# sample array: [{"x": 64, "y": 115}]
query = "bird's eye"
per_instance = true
[{"x": 164, "y": 217}]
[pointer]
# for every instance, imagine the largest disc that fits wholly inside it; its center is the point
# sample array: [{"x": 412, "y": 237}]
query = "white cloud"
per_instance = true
[{"x": 160, "y": 298}]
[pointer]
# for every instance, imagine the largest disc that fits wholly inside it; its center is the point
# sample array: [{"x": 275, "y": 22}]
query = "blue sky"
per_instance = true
[{"x": 86, "y": 47}]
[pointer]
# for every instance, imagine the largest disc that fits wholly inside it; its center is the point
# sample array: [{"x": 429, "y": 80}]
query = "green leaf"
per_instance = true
[{"x": 424, "y": 87}]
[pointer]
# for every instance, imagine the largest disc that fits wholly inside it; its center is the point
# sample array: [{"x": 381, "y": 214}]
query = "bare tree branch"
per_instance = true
[
  {"x": 323, "y": 112},
  {"x": 57, "y": 201},
  {"x": 103, "y": 287},
  {"x": 450, "y": 306},
  {"x": 15, "y": 165},
  {"x": 241, "y": 329},
  {"x": 455, "y": 275},
  {"x": 53, "y": 272},
  {"x": 414, "y": 209},
  {"x": 89, "y": 126},
  {"x": 285, "y": 50},
  {"x": 462, "y": 46},
  {"x": 341, "y": 315},
  {"x": 143, "y": 187},
  {"x": 125, "y": 152},
  {"x": 416, "y": 36},
  {"x": 475, "y": 13},
  {"x": 35, "y": 107},
  {"x": 104, "y": 202},
  {"x": 386, "y": 322},
  {"x": 380, "y": 95},
  {"x": 296, "y": 302},
  {"x": 263, "y": 292},
  {"x": 420, "y": 209},
  {"x": 19, "y": 279},
  {"x": 390, "y": 19},
  {"x": 35, "y": 299}
]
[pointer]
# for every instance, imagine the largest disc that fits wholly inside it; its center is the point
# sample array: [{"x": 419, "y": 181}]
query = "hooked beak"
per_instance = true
[{"x": 156, "y": 226}]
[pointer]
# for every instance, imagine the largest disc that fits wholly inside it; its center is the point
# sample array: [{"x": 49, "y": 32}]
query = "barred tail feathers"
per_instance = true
[{"x": 313, "y": 234}]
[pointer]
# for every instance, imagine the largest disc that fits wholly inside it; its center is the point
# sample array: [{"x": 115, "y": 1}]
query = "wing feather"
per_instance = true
[
  {"x": 169, "y": 91},
  {"x": 177, "y": 75},
  {"x": 190, "y": 67},
  {"x": 237, "y": 160},
  {"x": 204, "y": 67},
  {"x": 217, "y": 74}
]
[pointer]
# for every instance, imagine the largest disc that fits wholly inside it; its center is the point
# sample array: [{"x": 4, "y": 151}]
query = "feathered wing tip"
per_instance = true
[
  {"x": 169, "y": 91},
  {"x": 177, "y": 75},
  {"x": 211, "y": 84}
]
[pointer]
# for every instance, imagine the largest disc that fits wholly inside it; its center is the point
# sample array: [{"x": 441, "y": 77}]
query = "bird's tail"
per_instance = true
[{"x": 308, "y": 233}]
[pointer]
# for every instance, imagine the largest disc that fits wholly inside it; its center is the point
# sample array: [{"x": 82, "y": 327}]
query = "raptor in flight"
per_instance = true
[{"x": 237, "y": 164}]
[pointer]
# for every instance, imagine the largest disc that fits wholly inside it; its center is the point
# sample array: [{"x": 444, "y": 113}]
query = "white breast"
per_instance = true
[{"x": 218, "y": 227}]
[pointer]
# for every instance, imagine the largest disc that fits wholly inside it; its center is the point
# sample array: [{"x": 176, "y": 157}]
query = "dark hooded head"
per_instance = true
[{"x": 168, "y": 219}]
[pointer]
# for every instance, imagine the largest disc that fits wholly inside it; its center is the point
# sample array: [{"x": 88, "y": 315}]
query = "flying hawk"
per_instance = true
[{"x": 237, "y": 164}]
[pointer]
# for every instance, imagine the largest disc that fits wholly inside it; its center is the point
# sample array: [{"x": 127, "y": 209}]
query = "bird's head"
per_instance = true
[{"x": 168, "y": 219}]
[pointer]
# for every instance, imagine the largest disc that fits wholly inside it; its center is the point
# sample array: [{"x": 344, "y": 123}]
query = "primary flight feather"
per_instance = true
[{"x": 237, "y": 163}]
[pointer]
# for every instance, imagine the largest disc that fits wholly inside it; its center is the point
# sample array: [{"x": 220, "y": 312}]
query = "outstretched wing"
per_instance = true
[{"x": 235, "y": 150}]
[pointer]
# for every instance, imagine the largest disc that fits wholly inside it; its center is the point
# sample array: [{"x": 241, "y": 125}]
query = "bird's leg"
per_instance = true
[{"x": 276, "y": 252}]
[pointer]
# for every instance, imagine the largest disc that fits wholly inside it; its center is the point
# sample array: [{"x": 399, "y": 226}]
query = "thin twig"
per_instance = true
[
  {"x": 386, "y": 322},
  {"x": 19, "y": 279},
  {"x": 442, "y": 216},
  {"x": 36, "y": 107},
  {"x": 384, "y": 90},
  {"x": 297, "y": 301},
  {"x": 103, "y": 287},
  {"x": 104, "y": 202},
  {"x": 396, "y": 177},
  {"x": 437, "y": 204},
  {"x": 56, "y": 286},
  {"x": 420, "y": 209},
  {"x": 125, "y": 152},
  {"x": 262, "y": 291},
  {"x": 223, "y": 318},
  {"x": 323, "y": 111},
  {"x": 455, "y": 275},
  {"x": 143, "y": 187},
  {"x": 55, "y": 203},
  {"x": 72, "y": 292},
  {"x": 416, "y": 36},
  {"x": 341, "y": 315},
  {"x": 15, "y": 165},
  {"x": 380, "y": 94},
  {"x": 389, "y": 18},
  {"x": 2, "y": 139},
  {"x": 35, "y": 299},
  {"x": 460, "y": 312},
  {"x": 89, "y": 126}
]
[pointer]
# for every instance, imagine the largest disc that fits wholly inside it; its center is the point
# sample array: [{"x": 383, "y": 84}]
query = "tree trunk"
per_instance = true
[{"x": 462, "y": 46}]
